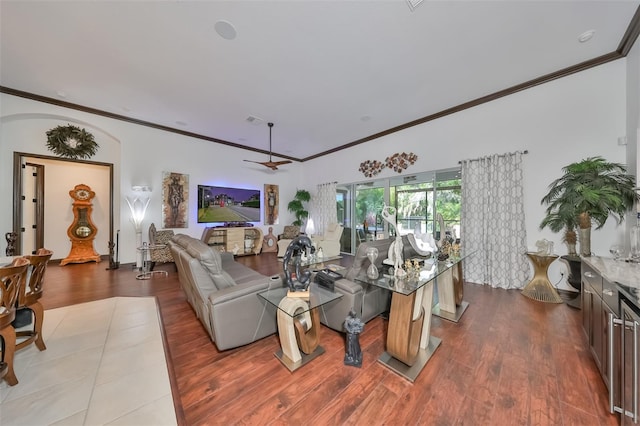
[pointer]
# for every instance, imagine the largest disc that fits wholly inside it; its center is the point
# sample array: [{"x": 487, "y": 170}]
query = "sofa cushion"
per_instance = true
[
  {"x": 361, "y": 262},
  {"x": 223, "y": 280},
  {"x": 209, "y": 257}
]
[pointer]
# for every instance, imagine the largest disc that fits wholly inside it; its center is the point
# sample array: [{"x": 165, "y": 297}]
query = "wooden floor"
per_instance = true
[{"x": 509, "y": 361}]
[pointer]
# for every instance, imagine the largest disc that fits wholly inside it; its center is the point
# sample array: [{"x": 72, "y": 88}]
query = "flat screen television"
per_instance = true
[{"x": 220, "y": 204}]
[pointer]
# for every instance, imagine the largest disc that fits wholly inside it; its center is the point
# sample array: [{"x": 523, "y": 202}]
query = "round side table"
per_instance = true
[{"x": 540, "y": 288}]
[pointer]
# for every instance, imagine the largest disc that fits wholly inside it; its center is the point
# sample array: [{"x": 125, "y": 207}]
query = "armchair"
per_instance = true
[
  {"x": 160, "y": 237},
  {"x": 290, "y": 232},
  {"x": 329, "y": 242}
]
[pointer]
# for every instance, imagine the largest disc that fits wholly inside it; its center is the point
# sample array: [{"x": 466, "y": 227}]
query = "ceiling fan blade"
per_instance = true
[
  {"x": 273, "y": 165},
  {"x": 269, "y": 164}
]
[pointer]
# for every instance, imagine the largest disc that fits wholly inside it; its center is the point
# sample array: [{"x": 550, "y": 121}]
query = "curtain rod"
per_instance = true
[{"x": 526, "y": 151}]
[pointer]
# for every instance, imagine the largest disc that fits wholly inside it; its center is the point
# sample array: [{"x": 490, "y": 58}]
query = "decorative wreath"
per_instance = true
[{"x": 71, "y": 142}]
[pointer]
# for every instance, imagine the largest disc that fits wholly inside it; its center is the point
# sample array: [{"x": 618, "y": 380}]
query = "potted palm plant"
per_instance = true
[
  {"x": 589, "y": 192},
  {"x": 297, "y": 206}
]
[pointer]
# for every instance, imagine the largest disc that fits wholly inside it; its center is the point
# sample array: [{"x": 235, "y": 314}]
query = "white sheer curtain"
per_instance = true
[
  {"x": 492, "y": 221},
  {"x": 324, "y": 207}
]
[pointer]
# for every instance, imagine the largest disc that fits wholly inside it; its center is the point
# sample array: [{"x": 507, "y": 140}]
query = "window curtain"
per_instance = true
[
  {"x": 324, "y": 207},
  {"x": 492, "y": 221}
]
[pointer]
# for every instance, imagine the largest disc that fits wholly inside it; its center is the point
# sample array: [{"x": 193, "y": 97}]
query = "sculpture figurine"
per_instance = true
[
  {"x": 395, "y": 249},
  {"x": 11, "y": 238},
  {"x": 291, "y": 264},
  {"x": 353, "y": 326}
]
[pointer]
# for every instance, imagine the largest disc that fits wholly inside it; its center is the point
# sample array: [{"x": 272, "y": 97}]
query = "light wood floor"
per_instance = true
[{"x": 509, "y": 361}]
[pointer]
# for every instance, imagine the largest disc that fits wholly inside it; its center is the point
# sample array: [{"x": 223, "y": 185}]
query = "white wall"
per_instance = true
[
  {"x": 559, "y": 123},
  {"x": 140, "y": 155}
]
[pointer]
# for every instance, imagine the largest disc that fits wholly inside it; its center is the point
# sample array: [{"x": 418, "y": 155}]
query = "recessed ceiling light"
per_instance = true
[
  {"x": 586, "y": 36},
  {"x": 365, "y": 118},
  {"x": 225, "y": 29},
  {"x": 181, "y": 123},
  {"x": 61, "y": 94}
]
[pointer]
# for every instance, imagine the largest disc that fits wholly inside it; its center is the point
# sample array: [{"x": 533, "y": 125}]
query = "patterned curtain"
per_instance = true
[
  {"x": 324, "y": 207},
  {"x": 492, "y": 221}
]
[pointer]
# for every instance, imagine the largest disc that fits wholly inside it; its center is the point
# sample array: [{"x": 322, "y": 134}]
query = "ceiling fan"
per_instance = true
[{"x": 273, "y": 165}]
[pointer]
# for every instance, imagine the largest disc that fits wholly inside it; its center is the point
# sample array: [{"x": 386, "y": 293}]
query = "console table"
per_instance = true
[
  {"x": 450, "y": 305},
  {"x": 299, "y": 323},
  {"x": 409, "y": 342},
  {"x": 240, "y": 241}
]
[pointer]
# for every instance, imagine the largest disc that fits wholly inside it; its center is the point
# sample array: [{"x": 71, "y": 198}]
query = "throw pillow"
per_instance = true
[{"x": 290, "y": 232}]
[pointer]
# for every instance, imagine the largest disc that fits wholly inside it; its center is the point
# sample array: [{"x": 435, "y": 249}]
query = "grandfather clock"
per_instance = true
[{"x": 82, "y": 231}]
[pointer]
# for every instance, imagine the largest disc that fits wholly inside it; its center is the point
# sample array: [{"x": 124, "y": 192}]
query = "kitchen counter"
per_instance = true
[
  {"x": 625, "y": 274},
  {"x": 620, "y": 272}
]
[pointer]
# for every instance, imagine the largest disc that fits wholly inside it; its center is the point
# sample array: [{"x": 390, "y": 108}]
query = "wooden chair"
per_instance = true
[
  {"x": 29, "y": 299},
  {"x": 12, "y": 279}
]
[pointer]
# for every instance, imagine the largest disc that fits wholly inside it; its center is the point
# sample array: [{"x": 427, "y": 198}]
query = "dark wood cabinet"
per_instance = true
[{"x": 600, "y": 320}]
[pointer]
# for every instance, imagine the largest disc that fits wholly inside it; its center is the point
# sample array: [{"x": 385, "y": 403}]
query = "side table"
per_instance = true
[
  {"x": 146, "y": 272},
  {"x": 540, "y": 288},
  {"x": 450, "y": 305},
  {"x": 299, "y": 323}
]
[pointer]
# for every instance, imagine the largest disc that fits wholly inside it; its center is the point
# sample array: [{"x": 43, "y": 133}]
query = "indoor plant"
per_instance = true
[
  {"x": 588, "y": 192},
  {"x": 297, "y": 206}
]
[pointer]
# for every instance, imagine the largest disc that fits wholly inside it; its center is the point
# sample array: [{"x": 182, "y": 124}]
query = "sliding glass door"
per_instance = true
[{"x": 418, "y": 199}]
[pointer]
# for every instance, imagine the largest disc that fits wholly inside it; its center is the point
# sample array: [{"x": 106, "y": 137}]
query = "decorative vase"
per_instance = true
[{"x": 372, "y": 270}]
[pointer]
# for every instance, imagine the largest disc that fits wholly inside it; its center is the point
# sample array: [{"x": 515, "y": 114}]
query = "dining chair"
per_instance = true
[
  {"x": 29, "y": 299},
  {"x": 12, "y": 279}
]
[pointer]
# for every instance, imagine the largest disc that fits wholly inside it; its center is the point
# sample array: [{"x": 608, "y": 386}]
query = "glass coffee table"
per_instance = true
[
  {"x": 409, "y": 342},
  {"x": 299, "y": 323}
]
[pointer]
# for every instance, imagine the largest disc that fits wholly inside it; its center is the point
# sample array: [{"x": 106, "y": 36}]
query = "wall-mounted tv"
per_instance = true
[{"x": 226, "y": 204}]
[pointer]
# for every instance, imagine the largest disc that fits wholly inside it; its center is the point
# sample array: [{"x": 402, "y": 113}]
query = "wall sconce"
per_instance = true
[{"x": 138, "y": 203}]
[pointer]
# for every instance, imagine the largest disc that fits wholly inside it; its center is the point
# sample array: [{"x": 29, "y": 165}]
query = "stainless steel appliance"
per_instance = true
[{"x": 629, "y": 364}]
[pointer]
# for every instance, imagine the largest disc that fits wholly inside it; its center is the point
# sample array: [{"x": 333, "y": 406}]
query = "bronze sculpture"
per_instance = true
[
  {"x": 354, "y": 326},
  {"x": 296, "y": 279}
]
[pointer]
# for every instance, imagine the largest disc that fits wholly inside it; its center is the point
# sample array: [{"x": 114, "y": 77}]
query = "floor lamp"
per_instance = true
[{"x": 138, "y": 203}]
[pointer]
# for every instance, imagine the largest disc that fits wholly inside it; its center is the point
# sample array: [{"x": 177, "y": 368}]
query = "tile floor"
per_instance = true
[{"x": 104, "y": 364}]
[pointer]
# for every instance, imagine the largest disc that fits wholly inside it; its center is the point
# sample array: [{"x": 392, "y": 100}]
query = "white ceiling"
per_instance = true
[{"x": 327, "y": 73}]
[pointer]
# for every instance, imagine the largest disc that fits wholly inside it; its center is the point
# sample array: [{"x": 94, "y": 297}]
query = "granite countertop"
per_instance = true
[{"x": 621, "y": 272}]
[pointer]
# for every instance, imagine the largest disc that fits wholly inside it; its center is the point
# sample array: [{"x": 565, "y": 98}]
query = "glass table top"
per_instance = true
[
  {"x": 406, "y": 285},
  {"x": 312, "y": 260},
  {"x": 318, "y": 296}
]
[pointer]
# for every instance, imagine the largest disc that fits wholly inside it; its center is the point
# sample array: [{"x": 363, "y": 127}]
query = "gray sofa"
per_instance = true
[
  {"x": 224, "y": 293},
  {"x": 367, "y": 300}
]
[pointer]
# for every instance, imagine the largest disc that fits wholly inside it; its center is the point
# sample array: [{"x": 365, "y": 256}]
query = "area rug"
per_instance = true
[{"x": 104, "y": 364}]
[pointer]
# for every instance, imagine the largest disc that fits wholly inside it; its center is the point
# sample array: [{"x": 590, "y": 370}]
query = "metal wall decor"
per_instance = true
[{"x": 397, "y": 162}]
